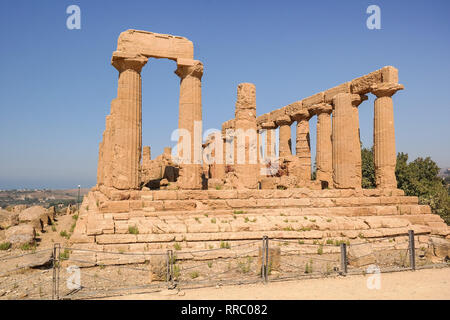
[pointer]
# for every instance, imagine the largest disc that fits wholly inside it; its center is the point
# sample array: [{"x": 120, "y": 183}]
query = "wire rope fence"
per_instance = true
[{"x": 72, "y": 273}]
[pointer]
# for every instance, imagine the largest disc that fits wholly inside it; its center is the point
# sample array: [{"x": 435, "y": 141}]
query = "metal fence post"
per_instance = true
[
  {"x": 263, "y": 259},
  {"x": 343, "y": 259},
  {"x": 412, "y": 250},
  {"x": 169, "y": 270},
  {"x": 56, "y": 267},
  {"x": 266, "y": 273}
]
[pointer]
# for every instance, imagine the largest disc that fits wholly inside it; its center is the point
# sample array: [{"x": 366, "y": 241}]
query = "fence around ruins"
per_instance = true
[{"x": 70, "y": 272}]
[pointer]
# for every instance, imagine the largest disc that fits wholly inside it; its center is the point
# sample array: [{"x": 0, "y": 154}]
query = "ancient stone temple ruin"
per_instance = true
[{"x": 241, "y": 183}]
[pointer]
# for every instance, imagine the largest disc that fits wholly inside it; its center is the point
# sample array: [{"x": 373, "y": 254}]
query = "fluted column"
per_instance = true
[
  {"x": 285, "y": 148},
  {"x": 126, "y": 110},
  {"x": 356, "y": 101},
  {"x": 344, "y": 164},
  {"x": 108, "y": 149},
  {"x": 270, "y": 138},
  {"x": 324, "y": 163},
  {"x": 384, "y": 135},
  {"x": 301, "y": 167},
  {"x": 190, "y": 119},
  {"x": 219, "y": 157},
  {"x": 246, "y": 143}
]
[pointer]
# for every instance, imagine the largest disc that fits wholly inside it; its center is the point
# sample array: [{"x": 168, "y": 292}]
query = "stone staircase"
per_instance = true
[{"x": 153, "y": 221}]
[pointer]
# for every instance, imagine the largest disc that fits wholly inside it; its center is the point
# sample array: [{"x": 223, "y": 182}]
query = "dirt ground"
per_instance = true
[{"x": 433, "y": 284}]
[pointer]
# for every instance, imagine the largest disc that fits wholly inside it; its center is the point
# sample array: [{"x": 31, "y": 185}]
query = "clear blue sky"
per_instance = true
[{"x": 57, "y": 84}]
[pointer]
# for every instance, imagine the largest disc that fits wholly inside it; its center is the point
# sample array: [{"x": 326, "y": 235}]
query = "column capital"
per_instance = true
[
  {"x": 269, "y": 125},
  {"x": 321, "y": 108},
  {"x": 123, "y": 62},
  {"x": 301, "y": 114},
  {"x": 386, "y": 89},
  {"x": 194, "y": 69},
  {"x": 283, "y": 120},
  {"x": 357, "y": 99}
]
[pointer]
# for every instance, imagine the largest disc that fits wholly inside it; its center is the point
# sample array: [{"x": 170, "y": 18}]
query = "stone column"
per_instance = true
[
  {"x": 284, "y": 123},
  {"x": 190, "y": 119},
  {"x": 126, "y": 110},
  {"x": 270, "y": 138},
  {"x": 108, "y": 148},
  {"x": 146, "y": 155},
  {"x": 245, "y": 128},
  {"x": 100, "y": 164},
  {"x": 356, "y": 101},
  {"x": 384, "y": 135},
  {"x": 324, "y": 163},
  {"x": 344, "y": 164},
  {"x": 303, "y": 146}
]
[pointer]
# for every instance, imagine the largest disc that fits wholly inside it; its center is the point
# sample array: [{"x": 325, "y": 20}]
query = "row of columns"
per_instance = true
[
  {"x": 338, "y": 150},
  {"x": 338, "y": 158}
]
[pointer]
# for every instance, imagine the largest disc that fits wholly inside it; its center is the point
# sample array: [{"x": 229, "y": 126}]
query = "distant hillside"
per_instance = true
[{"x": 40, "y": 197}]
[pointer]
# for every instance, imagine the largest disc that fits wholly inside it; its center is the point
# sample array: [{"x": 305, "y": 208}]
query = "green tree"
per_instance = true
[
  {"x": 417, "y": 178},
  {"x": 368, "y": 168}
]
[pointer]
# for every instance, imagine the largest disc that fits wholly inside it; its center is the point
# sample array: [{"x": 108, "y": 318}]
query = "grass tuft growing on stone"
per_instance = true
[
  {"x": 5, "y": 245},
  {"x": 133, "y": 230}
]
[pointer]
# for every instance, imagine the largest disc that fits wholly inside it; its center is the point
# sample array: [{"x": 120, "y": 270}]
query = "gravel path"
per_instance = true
[{"x": 421, "y": 284}]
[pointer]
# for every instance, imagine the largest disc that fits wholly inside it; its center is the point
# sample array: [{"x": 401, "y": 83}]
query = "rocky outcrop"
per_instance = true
[
  {"x": 38, "y": 217},
  {"x": 20, "y": 235},
  {"x": 8, "y": 219}
]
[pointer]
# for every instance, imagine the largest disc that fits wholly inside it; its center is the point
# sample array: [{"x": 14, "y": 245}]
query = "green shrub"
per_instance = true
[
  {"x": 133, "y": 230},
  {"x": 320, "y": 250},
  {"x": 28, "y": 246},
  {"x": 65, "y": 255},
  {"x": 5, "y": 245},
  {"x": 224, "y": 245},
  {"x": 64, "y": 234}
]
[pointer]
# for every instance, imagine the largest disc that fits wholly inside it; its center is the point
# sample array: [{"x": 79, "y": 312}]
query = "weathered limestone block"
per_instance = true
[
  {"x": 361, "y": 255},
  {"x": 439, "y": 248},
  {"x": 312, "y": 100},
  {"x": 269, "y": 182},
  {"x": 330, "y": 93},
  {"x": 292, "y": 109},
  {"x": 99, "y": 224},
  {"x": 146, "y": 154},
  {"x": 362, "y": 84},
  {"x": 384, "y": 135},
  {"x": 389, "y": 74},
  {"x": 158, "y": 268},
  {"x": 274, "y": 254},
  {"x": 155, "y": 45}
]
